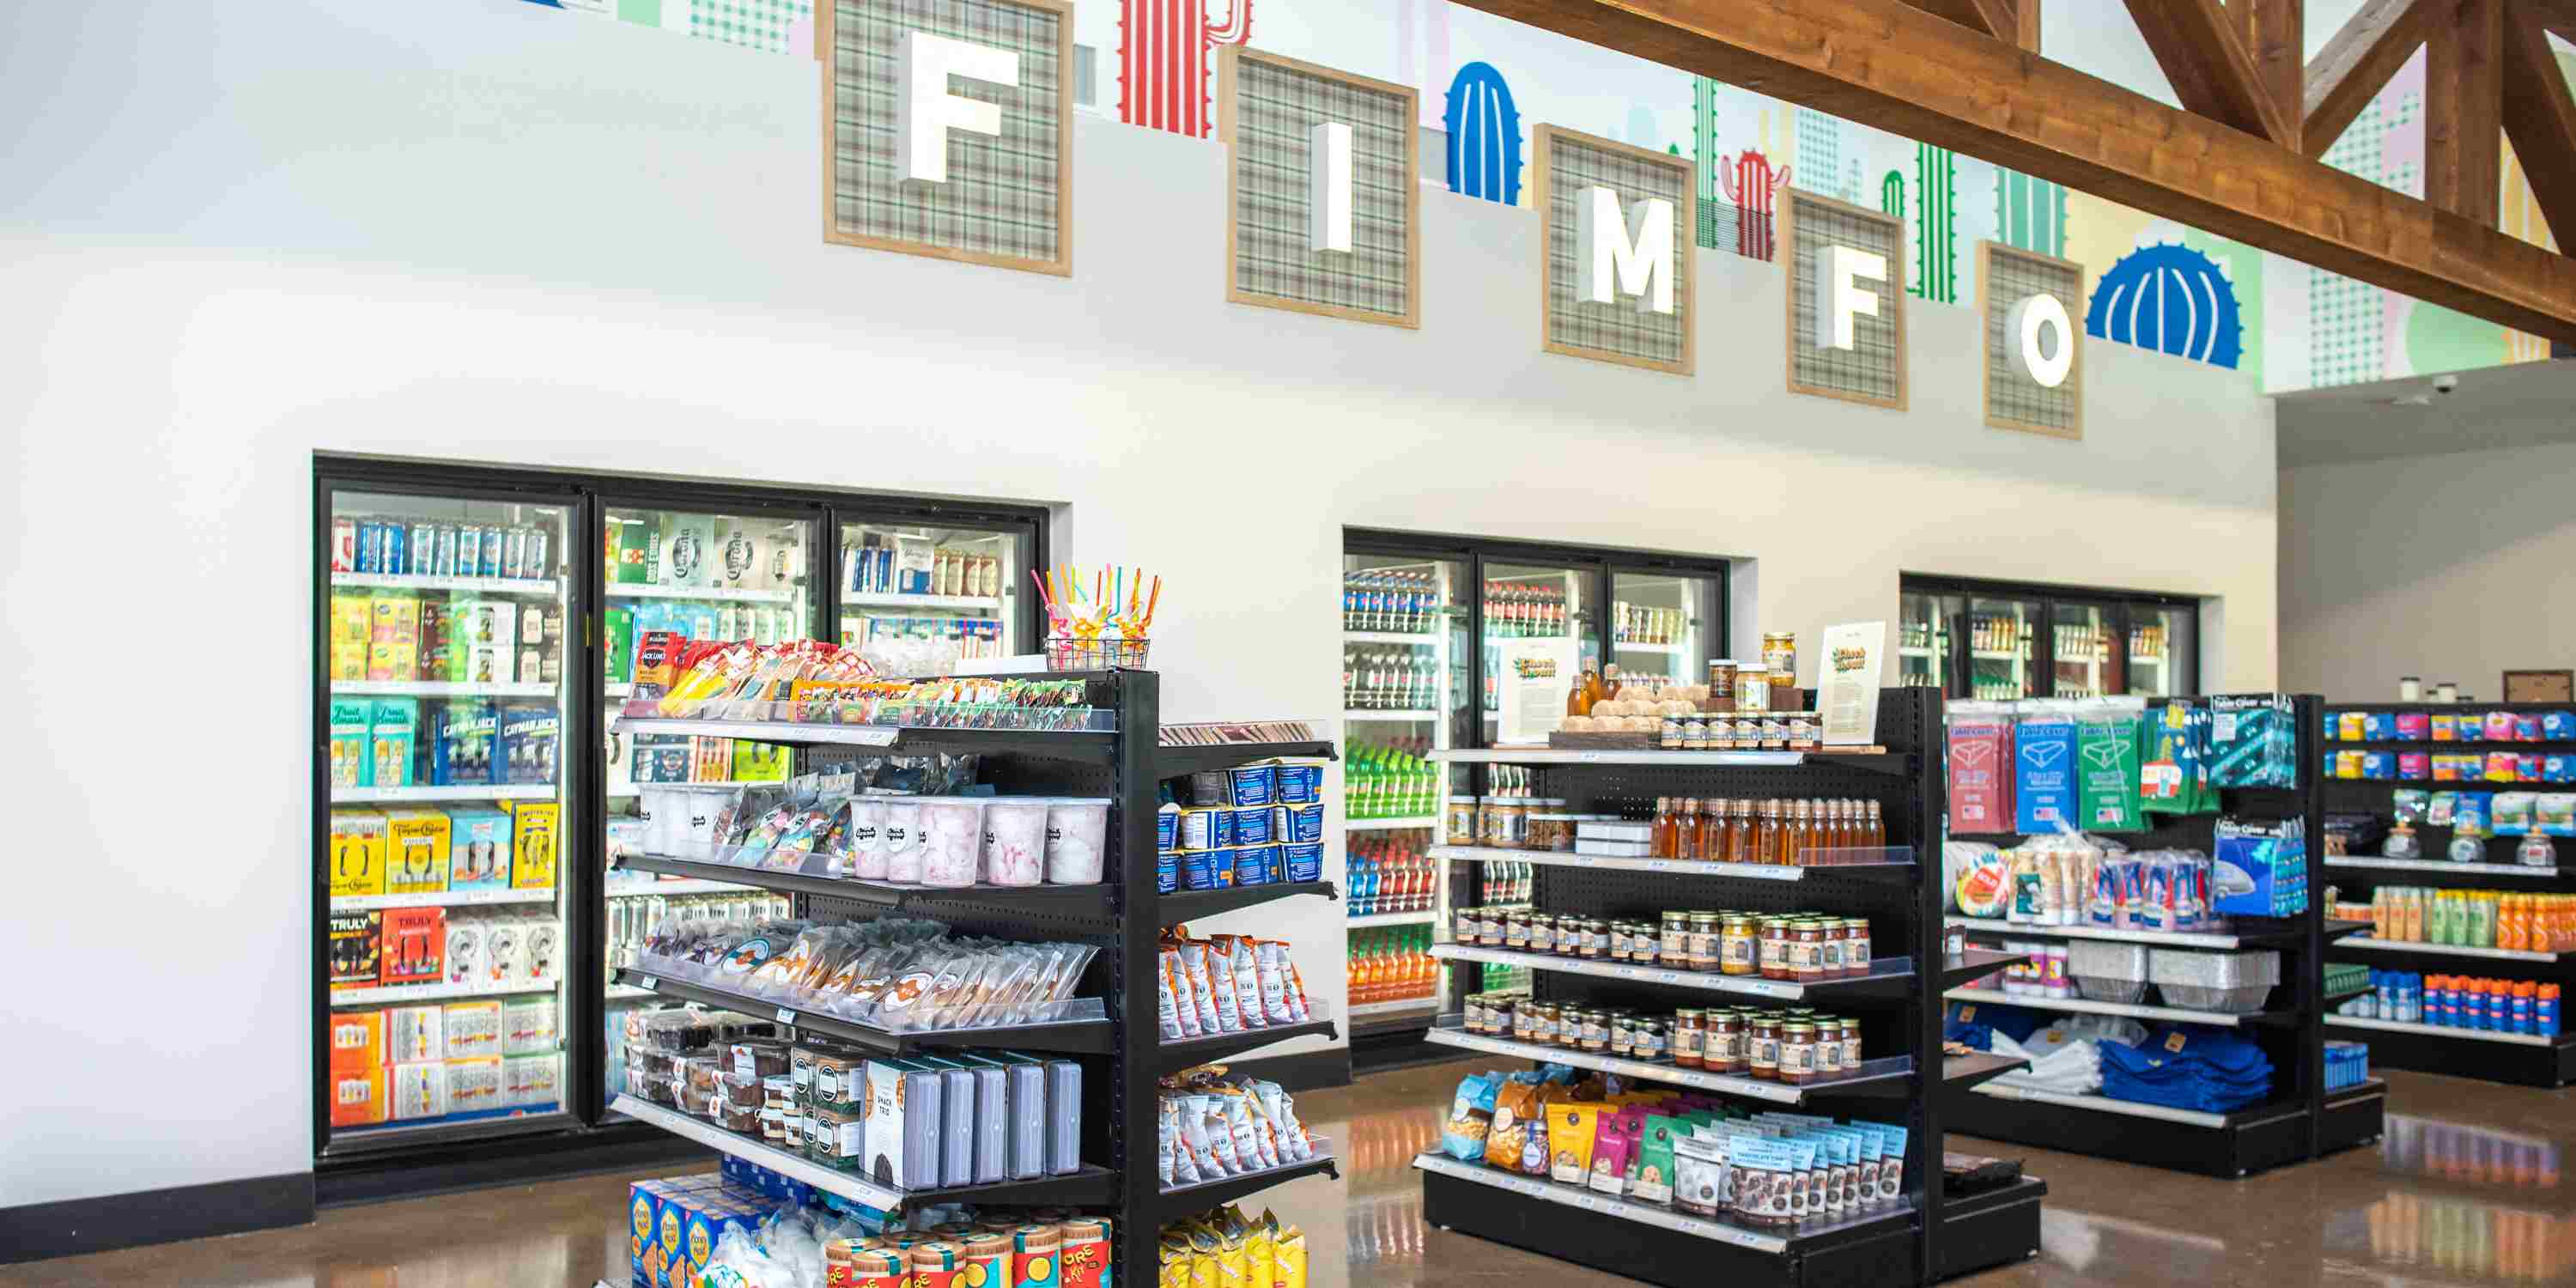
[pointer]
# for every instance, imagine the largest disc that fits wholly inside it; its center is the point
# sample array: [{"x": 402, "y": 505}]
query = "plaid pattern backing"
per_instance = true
[
  {"x": 1618, "y": 327},
  {"x": 1871, "y": 368},
  {"x": 1004, "y": 195},
  {"x": 1275, "y": 107},
  {"x": 2016, "y": 398},
  {"x": 764, "y": 25}
]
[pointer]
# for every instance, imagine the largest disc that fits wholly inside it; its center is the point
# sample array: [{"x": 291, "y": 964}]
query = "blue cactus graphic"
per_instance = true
[
  {"x": 1484, "y": 136},
  {"x": 2170, "y": 298}
]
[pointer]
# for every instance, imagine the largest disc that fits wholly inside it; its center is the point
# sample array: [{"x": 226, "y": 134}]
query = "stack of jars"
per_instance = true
[
  {"x": 1782, "y": 833},
  {"x": 1796, "y": 1045},
  {"x": 1802, "y": 948}
]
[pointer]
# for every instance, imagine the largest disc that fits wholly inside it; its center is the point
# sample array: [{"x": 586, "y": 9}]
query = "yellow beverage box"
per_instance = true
[
  {"x": 357, "y": 853},
  {"x": 416, "y": 851},
  {"x": 535, "y": 828}
]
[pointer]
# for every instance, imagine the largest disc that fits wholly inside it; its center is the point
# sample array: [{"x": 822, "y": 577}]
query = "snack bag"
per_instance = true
[
  {"x": 2408, "y": 804},
  {"x": 2513, "y": 813},
  {"x": 1471, "y": 1117},
  {"x": 1611, "y": 1150},
  {"x": 1654, "y": 1179},
  {"x": 1515, "y": 1113},
  {"x": 1572, "y": 1129},
  {"x": 1288, "y": 1250},
  {"x": 2471, "y": 816},
  {"x": 1176, "y": 1021},
  {"x": 2044, "y": 793}
]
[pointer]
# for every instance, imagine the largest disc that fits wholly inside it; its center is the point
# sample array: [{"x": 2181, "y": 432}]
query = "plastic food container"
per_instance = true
[
  {"x": 900, "y": 840},
  {"x": 1076, "y": 832},
  {"x": 2108, "y": 972},
  {"x": 2231, "y": 983},
  {"x": 1014, "y": 842},
  {"x": 952, "y": 840}
]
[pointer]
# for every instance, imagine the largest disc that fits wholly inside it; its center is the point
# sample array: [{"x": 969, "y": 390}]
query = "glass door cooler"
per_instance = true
[
  {"x": 1661, "y": 625},
  {"x": 1404, "y": 695},
  {"x": 2088, "y": 656},
  {"x": 2003, "y": 642},
  {"x": 442, "y": 843},
  {"x": 933, "y": 581},
  {"x": 1924, "y": 640},
  {"x": 2164, "y": 650}
]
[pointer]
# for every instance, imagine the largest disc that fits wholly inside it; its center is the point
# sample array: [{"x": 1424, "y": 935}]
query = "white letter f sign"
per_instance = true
[{"x": 924, "y": 110}]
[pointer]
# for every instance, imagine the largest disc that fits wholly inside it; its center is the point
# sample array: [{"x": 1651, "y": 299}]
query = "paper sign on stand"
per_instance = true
[
  {"x": 1535, "y": 678},
  {"x": 1847, "y": 683}
]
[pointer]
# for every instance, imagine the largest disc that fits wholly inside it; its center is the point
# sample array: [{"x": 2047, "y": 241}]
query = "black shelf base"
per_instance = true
[
  {"x": 1990, "y": 1228},
  {"x": 2511, "y": 1063},
  {"x": 1881, "y": 1253},
  {"x": 2354, "y": 1116},
  {"x": 2256, "y": 1140}
]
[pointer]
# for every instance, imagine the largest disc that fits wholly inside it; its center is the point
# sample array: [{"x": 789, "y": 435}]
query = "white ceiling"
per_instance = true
[{"x": 2517, "y": 405}]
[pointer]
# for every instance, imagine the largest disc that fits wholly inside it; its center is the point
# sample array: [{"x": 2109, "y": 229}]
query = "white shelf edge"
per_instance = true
[
  {"x": 679, "y": 886},
  {"x": 830, "y": 1180},
  {"x": 1567, "y": 859},
  {"x": 468, "y": 792},
  {"x": 394, "y": 994},
  {"x": 2452, "y": 950},
  {"x": 637, "y": 789},
  {"x": 1670, "y": 649},
  {"x": 1398, "y": 715},
  {"x": 884, "y": 599},
  {"x": 2084, "y": 1006},
  {"x": 1365, "y": 1010},
  {"x": 547, "y": 586},
  {"x": 1754, "y": 1088},
  {"x": 1426, "y": 639},
  {"x": 2442, "y": 865},
  {"x": 1423, "y": 918},
  {"x": 2178, "y": 939},
  {"x": 2101, "y": 1104},
  {"x": 1706, "y": 980},
  {"x": 2442, "y": 1031},
  {"x": 439, "y": 689},
  {"x": 440, "y": 899},
  {"x": 1389, "y": 824},
  {"x": 703, "y": 594}
]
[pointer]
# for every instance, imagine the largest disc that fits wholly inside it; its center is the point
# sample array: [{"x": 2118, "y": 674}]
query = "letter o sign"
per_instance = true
[{"x": 2024, "y": 327}]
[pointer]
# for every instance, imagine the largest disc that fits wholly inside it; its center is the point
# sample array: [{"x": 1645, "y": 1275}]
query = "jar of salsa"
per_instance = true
[
  {"x": 1775, "y": 949},
  {"x": 1722, "y": 1042},
  {"x": 1516, "y": 931},
  {"x": 1829, "y": 952},
  {"x": 1806, "y": 951},
  {"x": 1463, "y": 923},
  {"x": 1471, "y": 1013},
  {"x": 1623, "y": 1030},
  {"x": 1673, "y": 944},
  {"x": 1829, "y": 1048},
  {"x": 1797, "y": 1053},
  {"x": 1501, "y": 1015},
  {"x": 1596, "y": 939},
  {"x": 1856, "y": 956},
  {"x": 1739, "y": 946},
  {"x": 1851, "y": 1046},
  {"x": 1690, "y": 1038},
  {"x": 1702, "y": 947},
  {"x": 1595, "y": 1036},
  {"x": 1651, "y": 1042},
  {"x": 1762, "y": 1048},
  {"x": 1569, "y": 936}
]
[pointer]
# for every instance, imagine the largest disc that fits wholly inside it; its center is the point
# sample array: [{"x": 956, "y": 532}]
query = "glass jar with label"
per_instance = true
[
  {"x": 1463, "y": 825},
  {"x": 1797, "y": 1052},
  {"x": 1722, "y": 1042},
  {"x": 1506, "y": 821},
  {"x": 1471, "y": 1013},
  {"x": 1502, "y": 1015},
  {"x": 1669, "y": 732},
  {"x": 1762, "y": 1048},
  {"x": 1721, "y": 685},
  {"x": 1829, "y": 950},
  {"x": 1672, "y": 944},
  {"x": 1569, "y": 936},
  {"x": 1595, "y": 941},
  {"x": 1856, "y": 956},
  {"x": 1752, "y": 691},
  {"x": 1516, "y": 931},
  {"x": 1651, "y": 1040},
  {"x": 1694, "y": 731},
  {"x": 1489, "y": 927},
  {"x": 1552, "y": 830},
  {"x": 1690, "y": 1038},
  {"x": 1775, "y": 949},
  {"x": 1738, "y": 949},
  {"x": 1802, "y": 733},
  {"x": 1463, "y": 924},
  {"x": 1775, "y": 734},
  {"x": 1619, "y": 942},
  {"x": 1807, "y": 951},
  {"x": 1596, "y": 1032},
  {"x": 1829, "y": 1048},
  {"x": 1623, "y": 1030},
  {"x": 1701, "y": 951},
  {"x": 1851, "y": 1046},
  {"x": 1538, "y": 1023}
]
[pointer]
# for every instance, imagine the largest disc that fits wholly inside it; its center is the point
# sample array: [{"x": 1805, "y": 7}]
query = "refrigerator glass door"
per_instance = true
[
  {"x": 1923, "y": 639},
  {"x": 444, "y": 852},
  {"x": 927, "y": 582},
  {"x": 1663, "y": 625},
  {"x": 1404, "y": 695},
  {"x": 2003, "y": 648},
  {"x": 2085, "y": 659},
  {"x": 2164, "y": 646}
]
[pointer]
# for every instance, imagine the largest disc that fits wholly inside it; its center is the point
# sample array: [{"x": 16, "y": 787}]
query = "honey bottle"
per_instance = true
[
  {"x": 1583, "y": 693},
  {"x": 1873, "y": 833},
  {"x": 1766, "y": 834},
  {"x": 1687, "y": 833},
  {"x": 1661, "y": 846}
]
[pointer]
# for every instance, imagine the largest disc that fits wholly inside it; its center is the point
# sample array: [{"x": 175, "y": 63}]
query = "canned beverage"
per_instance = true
[
  {"x": 729, "y": 624},
  {"x": 424, "y": 548},
  {"x": 469, "y": 552},
  {"x": 514, "y": 551},
  {"x": 540, "y": 557},
  {"x": 397, "y": 544},
  {"x": 371, "y": 548},
  {"x": 344, "y": 545},
  {"x": 444, "y": 564},
  {"x": 490, "y": 563}
]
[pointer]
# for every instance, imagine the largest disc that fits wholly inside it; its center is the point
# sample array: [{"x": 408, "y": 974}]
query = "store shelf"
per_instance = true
[
  {"x": 1080, "y": 1037},
  {"x": 1887, "y": 977},
  {"x": 438, "y": 689},
  {"x": 2084, "y": 1006},
  {"x": 1079, "y": 900},
  {"x": 702, "y": 594},
  {"x": 466, "y": 792},
  {"x": 2439, "y": 865},
  {"x": 1996, "y": 655},
  {"x": 1679, "y": 867},
  {"x": 2447, "y": 950},
  {"x": 1975, "y": 964},
  {"x": 1173, "y": 762},
  {"x": 1889, "y": 1076},
  {"x": 2446, "y": 1031},
  {"x": 1190, "y": 905},
  {"x": 1896, "y": 1215},
  {"x": 547, "y": 587},
  {"x": 666, "y": 889},
  {"x": 1087, "y": 746},
  {"x": 446, "y": 1129},
  {"x": 1964, "y": 1071},
  {"x": 441, "y": 899},
  {"x": 1390, "y": 824},
  {"x": 1882, "y": 761},
  {"x": 2282, "y": 938},
  {"x": 1422, "y": 918},
  {"x": 1913, "y": 650},
  {"x": 1171, "y": 1057},
  {"x": 394, "y": 994},
  {"x": 938, "y": 603},
  {"x": 714, "y": 785},
  {"x": 1668, "y": 650},
  {"x": 1380, "y": 1010},
  {"x": 1184, "y": 1200},
  {"x": 1423, "y": 638},
  {"x": 1089, "y": 1187},
  {"x": 2106, "y": 1105},
  {"x": 1392, "y": 715}
]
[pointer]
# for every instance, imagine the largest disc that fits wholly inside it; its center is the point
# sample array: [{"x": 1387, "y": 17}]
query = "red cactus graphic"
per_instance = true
[
  {"x": 1164, "y": 48},
  {"x": 1751, "y": 185}
]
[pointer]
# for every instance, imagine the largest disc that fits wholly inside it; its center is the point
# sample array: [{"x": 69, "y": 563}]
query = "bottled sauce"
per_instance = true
[
  {"x": 1580, "y": 697},
  {"x": 1690, "y": 838},
  {"x": 1874, "y": 832},
  {"x": 1740, "y": 833},
  {"x": 1661, "y": 842},
  {"x": 1610, "y": 682},
  {"x": 1766, "y": 834}
]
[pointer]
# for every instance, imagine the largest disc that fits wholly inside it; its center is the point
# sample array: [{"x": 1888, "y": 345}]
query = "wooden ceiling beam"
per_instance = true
[
  {"x": 2026, "y": 33},
  {"x": 2275, "y": 34},
  {"x": 2556, "y": 15},
  {"x": 2540, "y": 118},
  {"x": 2356, "y": 61},
  {"x": 2197, "y": 45},
  {"x": 2463, "y": 110},
  {"x": 1894, "y": 67},
  {"x": 1986, "y": 17}
]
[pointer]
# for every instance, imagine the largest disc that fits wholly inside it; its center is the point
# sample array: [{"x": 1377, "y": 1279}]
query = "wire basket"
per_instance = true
[{"x": 1064, "y": 653}]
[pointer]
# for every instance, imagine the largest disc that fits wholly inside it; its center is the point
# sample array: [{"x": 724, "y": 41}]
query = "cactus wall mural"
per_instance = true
[
  {"x": 1706, "y": 161},
  {"x": 2170, "y": 298},
  {"x": 1753, "y": 186},
  {"x": 1166, "y": 57},
  {"x": 1484, "y": 132},
  {"x": 1936, "y": 235},
  {"x": 2030, "y": 213}
]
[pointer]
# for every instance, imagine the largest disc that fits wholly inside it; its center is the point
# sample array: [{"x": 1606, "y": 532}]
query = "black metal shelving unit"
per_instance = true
[
  {"x": 1121, "y": 1055},
  {"x": 2302, "y": 1121},
  {"x": 2519, "y": 1059},
  {"x": 1922, "y": 1237}
]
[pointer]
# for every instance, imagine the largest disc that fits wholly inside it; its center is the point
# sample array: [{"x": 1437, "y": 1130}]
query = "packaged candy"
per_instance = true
[
  {"x": 2512, "y": 813},
  {"x": 2414, "y": 766},
  {"x": 2498, "y": 726},
  {"x": 2502, "y": 767},
  {"x": 2379, "y": 766},
  {"x": 2408, "y": 804},
  {"x": 2473, "y": 815}
]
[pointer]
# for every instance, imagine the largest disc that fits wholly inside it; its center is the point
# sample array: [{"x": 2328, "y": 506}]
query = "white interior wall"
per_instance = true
[
  {"x": 232, "y": 237},
  {"x": 2451, "y": 567}
]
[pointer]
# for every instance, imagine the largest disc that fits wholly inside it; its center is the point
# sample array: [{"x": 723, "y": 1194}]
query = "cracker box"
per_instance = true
[
  {"x": 643, "y": 1220},
  {"x": 415, "y": 1033},
  {"x": 416, "y": 849},
  {"x": 417, "y": 1089},
  {"x": 393, "y": 637},
  {"x": 462, "y": 734},
  {"x": 528, "y": 1026},
  {"x": 530, "y": 735},
  {"x": 358, "y": 1096},
  {"x": 707, "y": 1225},
  {"x": 532, "y": 1081},
  {"x": 534, "y": 830},
  {"x": 352, "y": 625},
  {"x": 478, "y": 850},
  {"x": 356, "y": 950},
  {"x": 357, "y": 1041},
  {"x": 474, "y": 1086},
  {"x": 391, "y": 741},
  {"x": 415, "y": 946},
  {"x": 472, "y": 1029},
  {"x": 357, "y": 853},
  {"x": 348, "y": 722}
]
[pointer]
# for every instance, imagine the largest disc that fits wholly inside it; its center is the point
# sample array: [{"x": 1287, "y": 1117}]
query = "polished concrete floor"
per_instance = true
[{"x": 2466, "y": 1189}]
